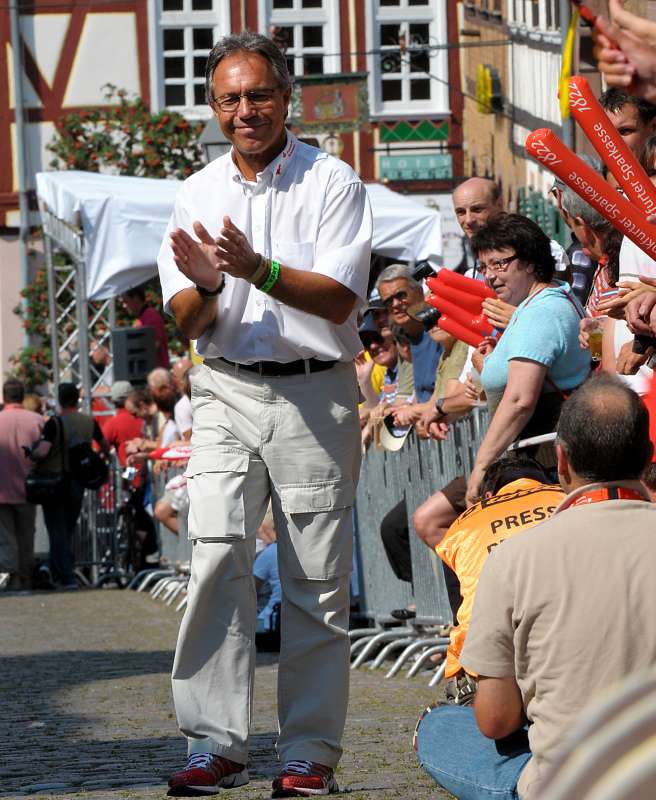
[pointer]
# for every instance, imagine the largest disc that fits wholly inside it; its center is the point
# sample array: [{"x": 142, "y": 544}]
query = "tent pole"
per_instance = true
[{"x": 52, "y": 300}]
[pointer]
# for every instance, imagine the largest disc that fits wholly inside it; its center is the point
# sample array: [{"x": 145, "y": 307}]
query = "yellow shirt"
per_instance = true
[
  {"x": 378, "y": 378},
  {"x": 465, "y": 547}
]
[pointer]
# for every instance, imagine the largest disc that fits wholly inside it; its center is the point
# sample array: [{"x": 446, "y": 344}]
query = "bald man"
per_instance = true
[{"x": 475, "y": 201}]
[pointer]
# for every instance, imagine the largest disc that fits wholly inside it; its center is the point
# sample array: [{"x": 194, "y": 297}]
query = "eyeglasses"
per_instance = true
[
  {"x": 257, "y": 98},
  {"x": 400, "y": 296},
  {"x": 371, "y": 340},
  {"x": 498, "y": 265}
]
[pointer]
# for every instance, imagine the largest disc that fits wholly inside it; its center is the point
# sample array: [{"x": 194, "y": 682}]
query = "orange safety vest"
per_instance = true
[{"x": 465, "y": 547}]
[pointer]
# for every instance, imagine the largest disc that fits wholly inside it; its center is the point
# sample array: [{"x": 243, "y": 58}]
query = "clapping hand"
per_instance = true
[
  {"x": 204, "y": 260},
  {"x": 197, "y": 260},
  {"x": 236, "y": 256}
]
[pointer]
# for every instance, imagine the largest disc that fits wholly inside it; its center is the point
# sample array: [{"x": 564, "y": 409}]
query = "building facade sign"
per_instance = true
[
  {"x": 437, "y": 166},
  {"x": 330, "y": 103}
]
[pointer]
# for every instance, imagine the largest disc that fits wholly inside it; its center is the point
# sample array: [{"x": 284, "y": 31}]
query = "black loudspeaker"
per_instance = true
[{"x": 134, "y": 356}]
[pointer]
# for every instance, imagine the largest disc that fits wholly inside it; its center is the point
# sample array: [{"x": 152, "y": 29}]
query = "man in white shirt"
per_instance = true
[{"x": 265, "y": 263}]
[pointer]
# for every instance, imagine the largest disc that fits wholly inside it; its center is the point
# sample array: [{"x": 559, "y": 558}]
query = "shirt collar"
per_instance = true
[
  {"x": 273, "y": 169},
  {"x": 571, "y": 497}
]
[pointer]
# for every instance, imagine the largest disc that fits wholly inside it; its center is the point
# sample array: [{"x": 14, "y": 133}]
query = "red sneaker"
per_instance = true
[
  {"x": 304, "y": 779},
  {"x": 206, "y": 773}
]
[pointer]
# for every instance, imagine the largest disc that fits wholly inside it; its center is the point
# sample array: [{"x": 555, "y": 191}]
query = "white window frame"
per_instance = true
[
  {"x": 218, "y": 18},
  {"x": 328, "y": 17},
  {"x": 435, "y": 15}
]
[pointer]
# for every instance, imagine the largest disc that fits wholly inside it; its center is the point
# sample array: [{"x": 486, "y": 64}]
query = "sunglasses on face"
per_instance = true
[
  {"x": 371, "y": 340},
  {"x": 400, "y": 296}
]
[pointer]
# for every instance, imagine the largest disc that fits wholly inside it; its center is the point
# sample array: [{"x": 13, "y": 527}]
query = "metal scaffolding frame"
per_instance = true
[{"x": 73, "y": 318}]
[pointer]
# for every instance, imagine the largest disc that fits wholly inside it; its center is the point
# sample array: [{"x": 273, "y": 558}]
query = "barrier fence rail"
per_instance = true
[
  {"x": 421, "y": 468},
  {"x": 410, "y": 475},
  {"x": 104, "y": 545}
]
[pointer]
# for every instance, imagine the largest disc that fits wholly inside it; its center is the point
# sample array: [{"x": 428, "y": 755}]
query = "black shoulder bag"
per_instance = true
[{"x": 44, "y": 486}]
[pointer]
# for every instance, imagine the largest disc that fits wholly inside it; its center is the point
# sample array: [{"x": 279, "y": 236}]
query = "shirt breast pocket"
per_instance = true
[{"x": 299, "y": 255}]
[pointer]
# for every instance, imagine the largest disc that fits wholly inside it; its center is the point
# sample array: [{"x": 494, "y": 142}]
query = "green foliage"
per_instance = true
[
  {"x": 32, "y": 365},
  {"x": 125, "y": 138}
]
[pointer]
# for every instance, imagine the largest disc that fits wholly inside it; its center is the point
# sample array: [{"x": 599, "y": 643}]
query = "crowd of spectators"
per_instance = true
[{"x": 534, "y": 377}]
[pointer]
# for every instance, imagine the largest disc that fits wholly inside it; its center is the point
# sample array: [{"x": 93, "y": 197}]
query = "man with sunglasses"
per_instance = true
[{"x": 265, "y": 263}]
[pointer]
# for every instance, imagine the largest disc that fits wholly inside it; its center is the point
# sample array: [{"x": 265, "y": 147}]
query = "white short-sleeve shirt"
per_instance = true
[{"x": 308, "y": 211}]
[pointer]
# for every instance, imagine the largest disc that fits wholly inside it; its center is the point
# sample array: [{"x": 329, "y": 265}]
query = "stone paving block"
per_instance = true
[{"x": 87, "y": 710}]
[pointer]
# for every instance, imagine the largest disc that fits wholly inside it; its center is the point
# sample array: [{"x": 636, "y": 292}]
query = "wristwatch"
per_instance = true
[
  {"x": 203, "y": 292},
  {"x": 439, "y": 407}
]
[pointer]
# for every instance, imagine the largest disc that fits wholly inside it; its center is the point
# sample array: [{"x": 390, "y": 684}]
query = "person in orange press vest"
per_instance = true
[{"x": 516, "y": 497}]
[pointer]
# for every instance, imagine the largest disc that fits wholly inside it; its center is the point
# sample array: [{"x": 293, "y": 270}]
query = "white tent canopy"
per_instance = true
[{"x": 123, "y": 220}]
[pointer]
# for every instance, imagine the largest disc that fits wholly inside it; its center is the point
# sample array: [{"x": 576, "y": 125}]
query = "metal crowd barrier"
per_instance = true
[
  {"x": 170, "y": 580},
  {"x": 419, "y": 469},
  {"x": 95, "y": 544}
]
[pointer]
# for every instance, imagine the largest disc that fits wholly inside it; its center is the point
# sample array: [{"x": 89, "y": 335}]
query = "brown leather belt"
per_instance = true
[{"x": 273, "y": 369}]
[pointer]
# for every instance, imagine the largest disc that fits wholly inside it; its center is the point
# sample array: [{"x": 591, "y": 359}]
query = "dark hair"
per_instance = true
[
  {"x": 648, "y": 156},
  {"x": 68, "y": 395},
  {"x": 13, "y": 391},
  {"x": 614, "y": 99},
  {"x": 510, "y": 468},
  {"x": 604, "y": 430},
  {"x": 649, "y": 477},
  {"x": 165, "y": 399},
  {"x": 521, "y": 234},
  {"x": 137, "y": 291},
  {"x": 138, "y": 396},
  {"x": 246, "y": 42},
  {"x": 612, "y": 246}
]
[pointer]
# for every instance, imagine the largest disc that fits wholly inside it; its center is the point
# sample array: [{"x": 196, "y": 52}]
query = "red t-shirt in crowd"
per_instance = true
[
  {"x": 121, "y": 428},
  {"x": 151, "y": 318},
  {"x": 99, "y": 407}
]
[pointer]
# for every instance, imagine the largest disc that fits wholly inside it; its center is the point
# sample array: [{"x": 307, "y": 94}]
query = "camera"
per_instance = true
[
  {"x": 424, "y": 313},
  {"x": 423, "y": 270}
]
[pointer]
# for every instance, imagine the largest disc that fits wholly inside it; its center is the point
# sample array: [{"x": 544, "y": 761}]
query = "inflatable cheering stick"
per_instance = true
[
  {"x": 460, "y": 300},
  {"x": 612, "y": 149},
  {"x": 547, "y": 148},
  {"x": 461, "y": 332}
]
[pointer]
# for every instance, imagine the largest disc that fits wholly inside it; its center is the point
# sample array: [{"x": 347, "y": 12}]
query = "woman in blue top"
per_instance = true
[{"x": 538, "y": 359}]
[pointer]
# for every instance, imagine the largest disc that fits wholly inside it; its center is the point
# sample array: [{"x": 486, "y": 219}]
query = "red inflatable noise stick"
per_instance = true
[
  {"x": 460, "y": 300},
  {"x": 461, "y": 332},
  {"x": 612, "y": 149},
  {"x": 453, "y": 280},
  {"x": 650, "y": 401},
  {"x": 476, "y": 324},
  {"x": 547, "y": 148}
]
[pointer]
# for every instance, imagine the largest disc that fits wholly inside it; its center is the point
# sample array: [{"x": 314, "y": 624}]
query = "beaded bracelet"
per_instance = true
[{"x": 273, "y": 277}]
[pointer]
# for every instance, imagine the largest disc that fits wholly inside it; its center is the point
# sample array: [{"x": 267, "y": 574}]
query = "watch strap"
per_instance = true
[{"x": 203, "y": 292}]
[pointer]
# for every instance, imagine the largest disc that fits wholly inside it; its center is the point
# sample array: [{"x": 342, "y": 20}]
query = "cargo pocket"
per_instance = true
[
  {"x": 216, "y": 480},
  {"x": 319, "y": 520}
]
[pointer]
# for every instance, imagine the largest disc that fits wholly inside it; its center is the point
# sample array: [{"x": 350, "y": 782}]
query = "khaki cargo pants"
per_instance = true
[{"x": 295, "y": 440}]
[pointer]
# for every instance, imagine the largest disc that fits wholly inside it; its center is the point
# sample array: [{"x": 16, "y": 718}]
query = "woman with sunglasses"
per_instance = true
[{"x": 537, "y": 361}]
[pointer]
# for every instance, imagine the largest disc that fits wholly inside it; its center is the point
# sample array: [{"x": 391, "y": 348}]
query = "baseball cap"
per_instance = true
[
  {"x": 120, "y": 390},
  {"x": 391, "y": 437}
]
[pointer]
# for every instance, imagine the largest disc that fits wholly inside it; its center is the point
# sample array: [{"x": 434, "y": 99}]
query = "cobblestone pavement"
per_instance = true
[{"x": 87, "y": 711}]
